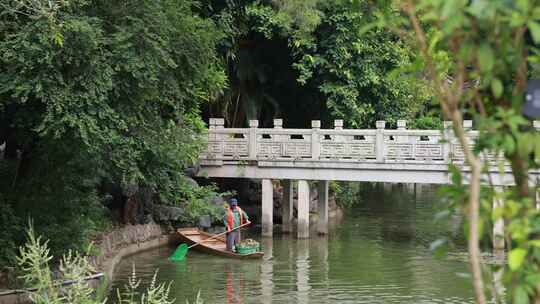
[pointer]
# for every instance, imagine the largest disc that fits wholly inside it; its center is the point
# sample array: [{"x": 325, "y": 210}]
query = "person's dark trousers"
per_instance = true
[{"x": 233, "y": 238}]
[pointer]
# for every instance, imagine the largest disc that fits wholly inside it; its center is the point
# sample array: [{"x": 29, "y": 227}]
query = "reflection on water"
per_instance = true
[
  {"x": 377, "y": 254},
  {"x": 267, "y": 284}
]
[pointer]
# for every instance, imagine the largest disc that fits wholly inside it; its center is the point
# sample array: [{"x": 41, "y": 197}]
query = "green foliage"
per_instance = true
[
  {"x": 157, "y": 293},
  {"x": 34, "y": 261},
  {"x": 9, "y": 228},
  {"x": 197, "y": 202},
  {"x": 426, "y": 123},
  {"x": 94, "y": 91},
  {"x": 59, "y": 195},
  {"x": 347, "y": 193},
  {"x": 352, "y": 67},
  {"x": 297, "y": 18},
  {"x": 327, "y": 59},
  {"x": 198, "y": 299},
  {"x": 477, "y": 55}
]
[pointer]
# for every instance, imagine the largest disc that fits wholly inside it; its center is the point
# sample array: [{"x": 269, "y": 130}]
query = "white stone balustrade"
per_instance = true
[
  {"x": 379, "y": 155},
  {"x": 378, "y": 145}
]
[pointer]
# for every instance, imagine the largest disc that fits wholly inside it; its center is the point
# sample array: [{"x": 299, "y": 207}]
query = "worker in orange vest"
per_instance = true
[{"x": 232, "y": 219}]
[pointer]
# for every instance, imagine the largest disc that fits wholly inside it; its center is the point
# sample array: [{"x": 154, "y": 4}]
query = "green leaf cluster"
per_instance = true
[
  {"x": 354, "y": 66},
  {"x": 478, "y": 56},
  {"x": 93, "y": 92},
  {"x": 327, "y": 58}
]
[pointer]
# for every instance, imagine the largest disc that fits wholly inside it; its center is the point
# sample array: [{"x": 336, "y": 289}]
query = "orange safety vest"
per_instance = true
[{"x": 230, "y": 218}]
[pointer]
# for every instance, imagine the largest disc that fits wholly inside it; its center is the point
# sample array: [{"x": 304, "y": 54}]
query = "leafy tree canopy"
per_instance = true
[
  {"x": 99, "y": 90},
  {"x": 331, "y": 50}
]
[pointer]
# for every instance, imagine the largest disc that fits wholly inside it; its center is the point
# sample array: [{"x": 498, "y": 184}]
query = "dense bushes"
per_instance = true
[
  {"x": 97, "y": 91},
  {"x": 317, "y": 59}
]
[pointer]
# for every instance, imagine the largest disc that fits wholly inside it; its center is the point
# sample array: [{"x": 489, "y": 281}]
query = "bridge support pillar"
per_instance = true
[
  {"x": 537, "y": 198},
  {"x": 322, "y": 225},
  {"x": 410, "y": 187},
  {"x": 287, "y": 206},
  {"x": 498, "y": 226},
  {"x": 267, "y": 208},
  {"x": 303, "y": 209}
]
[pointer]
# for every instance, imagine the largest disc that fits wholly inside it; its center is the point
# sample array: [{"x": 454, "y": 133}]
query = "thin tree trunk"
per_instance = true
[
  {"x": 450, "y": 98},
  {"x": 474, "y": 207},
  {"x": 521, "y": 176},
  {"x": 473, "y": 243}
]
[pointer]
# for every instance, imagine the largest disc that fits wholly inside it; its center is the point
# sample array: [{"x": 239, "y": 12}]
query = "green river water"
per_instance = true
[{"x": 378, "y": 253}]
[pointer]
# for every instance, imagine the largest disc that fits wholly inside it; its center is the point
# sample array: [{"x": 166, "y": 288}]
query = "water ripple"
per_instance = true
[{"x": 378, "y": 254}]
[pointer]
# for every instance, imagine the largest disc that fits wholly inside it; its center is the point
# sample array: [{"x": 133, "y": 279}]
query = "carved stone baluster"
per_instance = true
[
  {"x": 447, "y": 137},
  {"x": 252, "y": 144},
  {"x": 401, "y": 124},
  {"x": 379, "y": 140},
  {"x": 338, "y": 124},
  {"x": 315, "y": 142},
  {"x": 467, "y": 125},
  {"x": 220, "y": 123},
  {"x": 338, "y": 139},
  {"x": 211, "y": 135},
  {"x": 280, "y": 140},
  {"x": 208, "y": 153},
  {"x": 402, "y": 141},
  {"x": 278, "y": 123}
]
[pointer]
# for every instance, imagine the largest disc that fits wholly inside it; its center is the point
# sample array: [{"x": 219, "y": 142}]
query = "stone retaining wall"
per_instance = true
[{"x": 110, "y": 243}]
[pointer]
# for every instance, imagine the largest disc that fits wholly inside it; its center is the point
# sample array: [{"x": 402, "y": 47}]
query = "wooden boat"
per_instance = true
[{"x": 216, "y": 246}]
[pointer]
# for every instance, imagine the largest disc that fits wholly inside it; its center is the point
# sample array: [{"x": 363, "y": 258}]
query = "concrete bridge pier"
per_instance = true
[
  {"x": 267, "y": 208},
  {"x": 537, "y": 199},
  {"x": 287, "y": 206},
  {"x": 303, "y": 209},
  {"x": 498, "y": 226},
  {"x": 322, "y": 225}
]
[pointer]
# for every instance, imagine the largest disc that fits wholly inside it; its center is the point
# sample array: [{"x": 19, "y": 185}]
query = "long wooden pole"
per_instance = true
[{"x": 220, "y": 234}]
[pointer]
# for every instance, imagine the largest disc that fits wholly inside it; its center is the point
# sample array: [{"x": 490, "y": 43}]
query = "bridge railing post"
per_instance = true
[
  {"x": 315, "y": 141},
  {"x": 279, "y": 138},
  {"x": 253, "y": 124},
  {"x": 467, "y": 125},
  {"x": 278, "y": 123},
  {"x": 401, "y": 139},
  {"x": 447, "y": 137},
  {"x": 219, "y": 123},
  {"x": 338, "y": 124},
  {"x": 401, "y": 124},
  {"x": 471, "y": 138},
  {"x": 379, "y": 140},
  {"x": 215, "y": 140}
]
